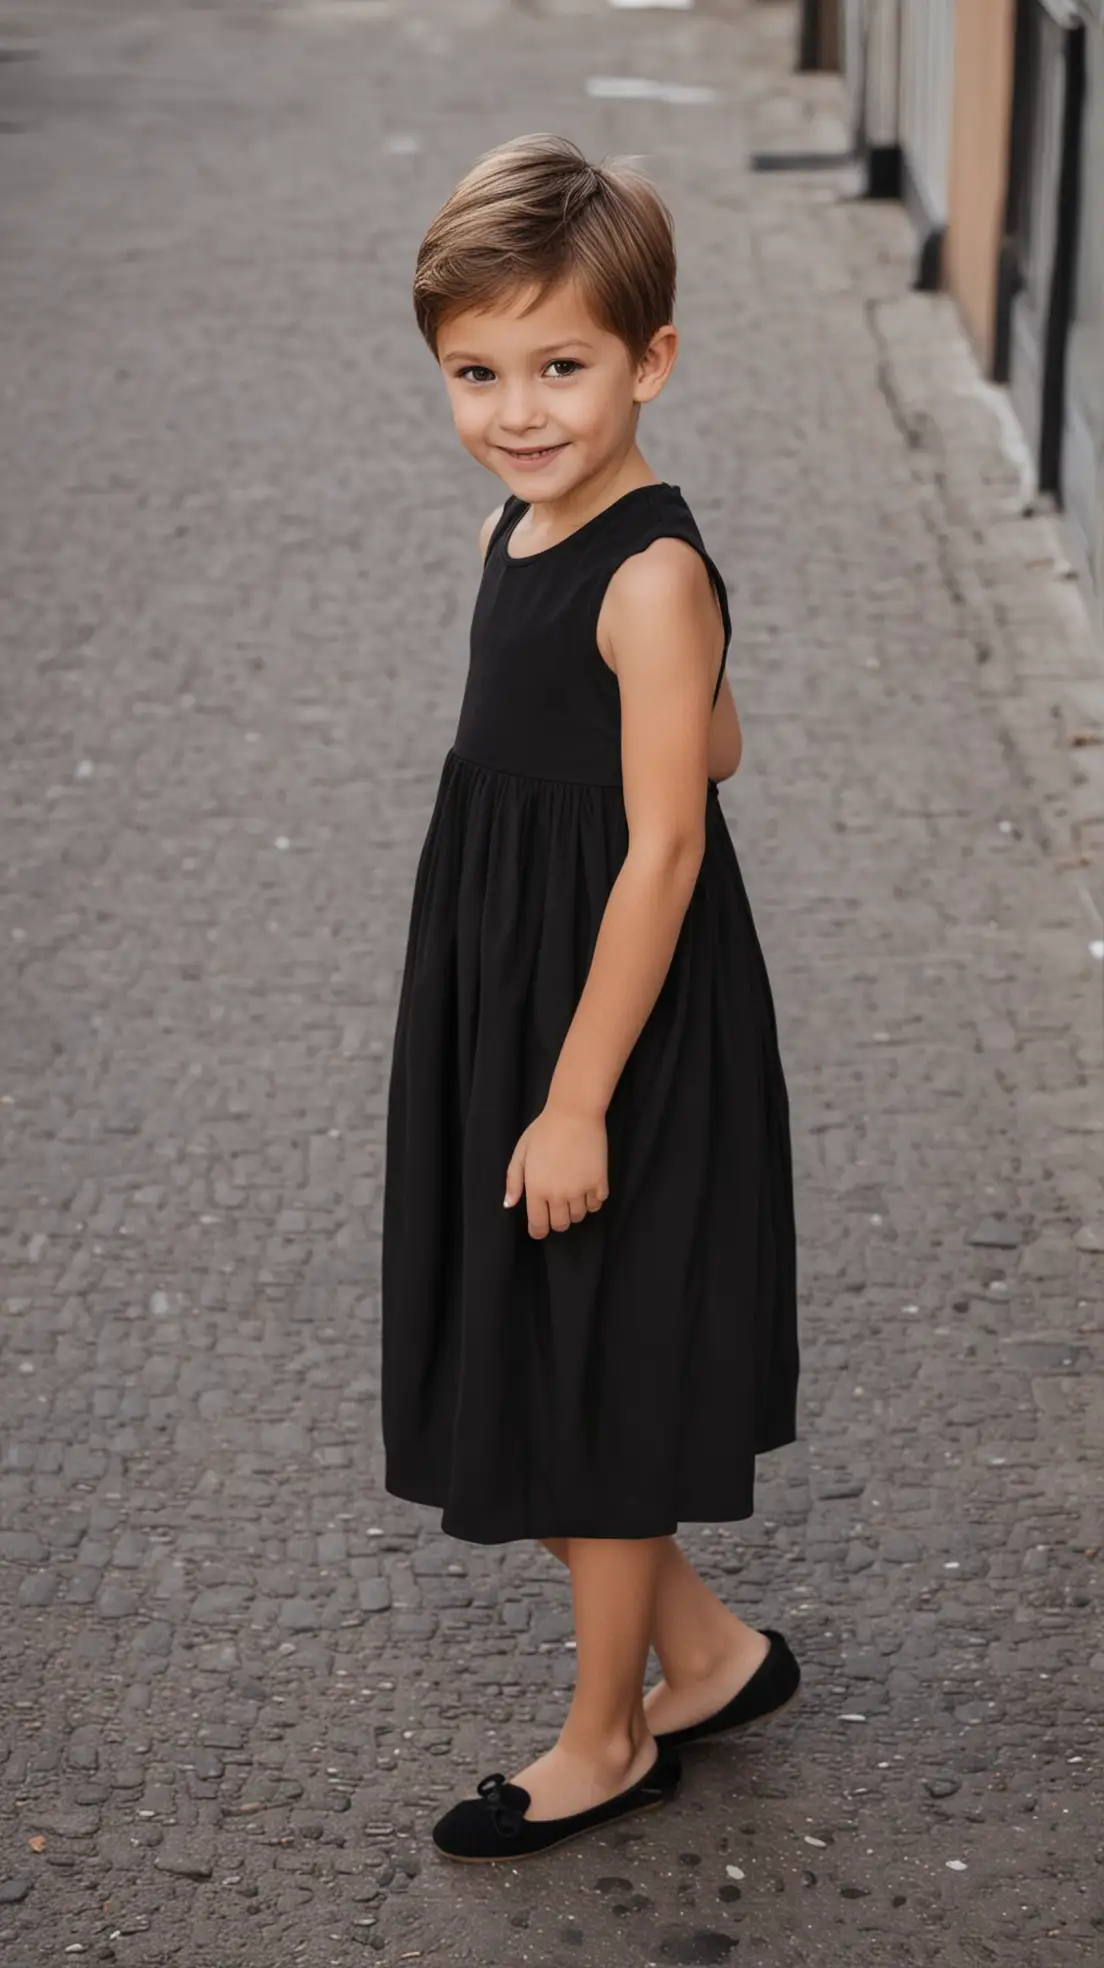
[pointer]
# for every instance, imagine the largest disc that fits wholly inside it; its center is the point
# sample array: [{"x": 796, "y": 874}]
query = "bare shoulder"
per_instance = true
[
  {"x": 667, "y": 569},
  {"x": 666, "y": 586},
  {"x": 488, "y": 528}
]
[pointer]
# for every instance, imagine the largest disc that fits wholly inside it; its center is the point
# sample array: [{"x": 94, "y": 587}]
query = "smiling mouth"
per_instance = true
[{"x": 531, "y": 453}]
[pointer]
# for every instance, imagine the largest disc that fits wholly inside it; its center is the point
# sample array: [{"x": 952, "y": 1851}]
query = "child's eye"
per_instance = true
[
  {"x": 564, "y": 365},
  {"x": 475, "y": 372}
]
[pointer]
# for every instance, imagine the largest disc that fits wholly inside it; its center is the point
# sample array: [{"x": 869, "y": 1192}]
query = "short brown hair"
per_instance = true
[{"x": 533, "y": 212}]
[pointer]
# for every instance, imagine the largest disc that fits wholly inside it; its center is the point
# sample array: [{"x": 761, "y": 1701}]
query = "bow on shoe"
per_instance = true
[{"x": 506, "y": 1820}]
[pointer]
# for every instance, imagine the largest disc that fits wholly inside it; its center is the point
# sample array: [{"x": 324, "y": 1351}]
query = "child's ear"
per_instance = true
[{"x": 656, "y": 364}]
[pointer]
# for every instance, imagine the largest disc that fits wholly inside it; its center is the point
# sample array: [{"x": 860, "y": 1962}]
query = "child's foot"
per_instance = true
[
  {"x": 499, "y": 1822},
  {"x": 668, "y": 1709},
  {"x": 565, "y": 1781}
]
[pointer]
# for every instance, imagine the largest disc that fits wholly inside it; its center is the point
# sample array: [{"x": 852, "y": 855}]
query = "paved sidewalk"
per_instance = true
[{"x": 237, "y": 1682}]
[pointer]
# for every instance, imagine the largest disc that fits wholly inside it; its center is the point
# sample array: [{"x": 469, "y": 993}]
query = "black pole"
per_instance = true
[
  {"x": 1009, "y": 264},
  {"x": 1059, "y": 317}
]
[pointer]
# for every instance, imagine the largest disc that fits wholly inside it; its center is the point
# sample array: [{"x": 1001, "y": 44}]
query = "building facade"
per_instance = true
[
  {"x": 987, "y": 118},
  {"x": 977, "y": 167}
]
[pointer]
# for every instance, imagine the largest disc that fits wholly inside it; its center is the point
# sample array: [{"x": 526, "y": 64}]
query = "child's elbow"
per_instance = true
[
  {"x": 668, "y": 858},
  {"x": 686, "y": 852}
]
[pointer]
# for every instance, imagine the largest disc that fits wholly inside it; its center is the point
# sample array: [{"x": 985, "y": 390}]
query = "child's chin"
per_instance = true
[{"x": 554, "y": 475}]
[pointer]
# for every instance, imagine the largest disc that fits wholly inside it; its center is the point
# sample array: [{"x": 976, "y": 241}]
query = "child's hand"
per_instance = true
[{"x": 559, "y": 1165}]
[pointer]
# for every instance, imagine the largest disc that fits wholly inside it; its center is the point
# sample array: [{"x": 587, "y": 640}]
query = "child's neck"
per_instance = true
[{"x": 551, "y": 520}]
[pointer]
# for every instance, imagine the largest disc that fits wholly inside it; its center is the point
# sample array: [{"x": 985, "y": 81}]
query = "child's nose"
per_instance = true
[{"x": 518, "y": 411}]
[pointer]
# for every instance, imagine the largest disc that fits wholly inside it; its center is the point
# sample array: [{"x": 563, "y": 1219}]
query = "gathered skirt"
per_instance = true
[{"x": 620, "y": 1377}]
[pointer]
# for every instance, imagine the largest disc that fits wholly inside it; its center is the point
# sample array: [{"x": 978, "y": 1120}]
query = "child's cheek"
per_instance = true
[{"x": 470, "y": 422}]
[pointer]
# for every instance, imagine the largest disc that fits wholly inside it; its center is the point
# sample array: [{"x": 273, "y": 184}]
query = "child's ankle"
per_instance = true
[
  {"x": 612, "y": 1750},
  {"x": 706, "y": 1662}
]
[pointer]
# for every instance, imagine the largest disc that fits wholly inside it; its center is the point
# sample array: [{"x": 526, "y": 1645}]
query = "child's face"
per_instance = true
[{"x": 546, "y": 399}]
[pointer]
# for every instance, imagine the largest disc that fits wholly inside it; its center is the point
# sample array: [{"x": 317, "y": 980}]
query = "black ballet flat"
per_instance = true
[
  {"x": 775, "y": 1682},
  {"x": 493, "y": 1825}
]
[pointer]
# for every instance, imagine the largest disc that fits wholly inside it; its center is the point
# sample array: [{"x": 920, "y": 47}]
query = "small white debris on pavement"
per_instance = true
[{"x": 636, "y": 88}]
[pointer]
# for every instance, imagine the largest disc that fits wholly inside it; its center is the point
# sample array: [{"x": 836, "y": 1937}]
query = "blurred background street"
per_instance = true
[{"x": 237, "y": 1681}]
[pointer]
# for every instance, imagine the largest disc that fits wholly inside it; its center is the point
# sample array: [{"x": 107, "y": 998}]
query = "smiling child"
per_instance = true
[{"x": 585, "y": 1019}]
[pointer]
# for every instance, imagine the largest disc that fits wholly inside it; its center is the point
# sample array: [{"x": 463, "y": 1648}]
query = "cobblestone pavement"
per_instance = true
[{"x": 237, "y": 1680}]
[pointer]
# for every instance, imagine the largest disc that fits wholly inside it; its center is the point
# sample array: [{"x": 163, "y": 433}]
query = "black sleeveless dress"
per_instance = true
[{"x": 619, "y": 1377}]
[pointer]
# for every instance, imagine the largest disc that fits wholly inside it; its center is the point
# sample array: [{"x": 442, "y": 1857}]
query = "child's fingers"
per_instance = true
[
  {"x": 595, "y": 1198},
  {"x": 538, "y": 1216},
  {"x": 559, "y": 1214}
]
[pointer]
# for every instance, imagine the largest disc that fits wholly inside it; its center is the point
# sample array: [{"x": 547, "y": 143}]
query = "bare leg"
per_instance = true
[
  {"x": 706, "y": 1652},
  {"x": 605, "y": 1744}
]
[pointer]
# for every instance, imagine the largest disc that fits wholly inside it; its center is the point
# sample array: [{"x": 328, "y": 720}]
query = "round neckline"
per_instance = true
[{"x": 523, "y": 560}]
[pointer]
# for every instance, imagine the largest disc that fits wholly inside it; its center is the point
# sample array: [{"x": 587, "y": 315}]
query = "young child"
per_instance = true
[{"x": 585, "y": 1014}]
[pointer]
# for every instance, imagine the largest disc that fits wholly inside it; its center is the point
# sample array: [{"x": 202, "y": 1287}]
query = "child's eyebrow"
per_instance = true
[{"x": 465, "y": 355}]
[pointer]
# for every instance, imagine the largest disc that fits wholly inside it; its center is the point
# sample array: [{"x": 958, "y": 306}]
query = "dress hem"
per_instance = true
[{"x": 431, "y": 1496}]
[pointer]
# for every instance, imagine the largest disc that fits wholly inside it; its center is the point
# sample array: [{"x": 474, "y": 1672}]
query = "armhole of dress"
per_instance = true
[
  {"x": 511, "y": 510},
  {"x": 719, "y": 589},
  {"x": 721, "y": 593}
]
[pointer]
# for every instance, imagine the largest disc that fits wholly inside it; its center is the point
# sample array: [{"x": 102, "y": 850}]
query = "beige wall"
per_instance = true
[{"x": 984, "y": 42}]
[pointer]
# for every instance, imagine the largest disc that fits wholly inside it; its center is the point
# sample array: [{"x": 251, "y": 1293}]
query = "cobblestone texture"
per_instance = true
[{"x": 238, "y": 1681}]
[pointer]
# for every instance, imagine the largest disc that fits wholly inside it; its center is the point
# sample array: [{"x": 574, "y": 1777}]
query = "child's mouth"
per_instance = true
[{"x": 535, "y": 456}]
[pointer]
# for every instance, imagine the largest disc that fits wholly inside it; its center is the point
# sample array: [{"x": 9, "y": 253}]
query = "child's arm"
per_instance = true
[
  {"x": 660, "y": 626},
  {"x": 662, "y": 631}
]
